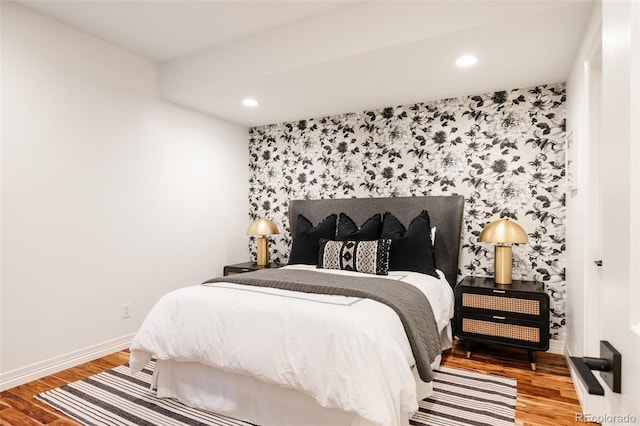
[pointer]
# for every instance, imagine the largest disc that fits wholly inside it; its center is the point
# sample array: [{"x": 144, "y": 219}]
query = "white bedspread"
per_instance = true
[{"x": 344, "y": 352}]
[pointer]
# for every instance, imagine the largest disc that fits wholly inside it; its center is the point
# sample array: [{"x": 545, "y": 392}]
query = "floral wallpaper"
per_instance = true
[{"x": 504, "y": 151}]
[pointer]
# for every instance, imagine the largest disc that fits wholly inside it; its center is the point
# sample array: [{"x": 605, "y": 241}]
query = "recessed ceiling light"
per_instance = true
[
  {"x": 250, "y": 103},
  {"x": 466, "y": 61}
]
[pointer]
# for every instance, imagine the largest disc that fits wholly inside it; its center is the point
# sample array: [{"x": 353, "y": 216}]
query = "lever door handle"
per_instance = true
[{"x": 598, "y": 263}]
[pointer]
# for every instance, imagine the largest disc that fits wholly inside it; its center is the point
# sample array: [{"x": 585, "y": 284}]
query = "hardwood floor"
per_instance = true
[
  {"x": 18, "y": 407},
  {"x": 545, "y": 396}
]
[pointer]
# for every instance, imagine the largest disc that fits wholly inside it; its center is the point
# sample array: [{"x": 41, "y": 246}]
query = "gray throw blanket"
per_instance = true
[{"x": 407, "y": 301}]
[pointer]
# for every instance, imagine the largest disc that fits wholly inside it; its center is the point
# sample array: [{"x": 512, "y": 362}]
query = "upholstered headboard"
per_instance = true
[{"x": 445, "y": 213}]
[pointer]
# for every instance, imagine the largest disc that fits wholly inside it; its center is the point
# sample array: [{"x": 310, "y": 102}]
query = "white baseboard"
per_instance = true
[
  {"x": 591, "y": 404},
  {"x": 44, "y": 368},
  {"x": 557, "y": 347}
]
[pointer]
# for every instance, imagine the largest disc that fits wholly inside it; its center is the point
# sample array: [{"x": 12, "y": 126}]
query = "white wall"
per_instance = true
[{"x": 109, "y": 195}]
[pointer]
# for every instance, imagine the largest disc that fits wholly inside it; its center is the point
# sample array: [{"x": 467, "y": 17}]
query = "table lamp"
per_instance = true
[
  {"x": 503, "y": 232},
  {"x": 261, "y": 228}
]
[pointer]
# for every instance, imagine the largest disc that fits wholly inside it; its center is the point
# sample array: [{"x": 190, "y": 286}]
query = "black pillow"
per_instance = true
[
  {"x": 369, "y": 257},
  {"x": 306, "y": 241},
  {"x": 411, "y": 248},
  {"x": 348, "y": 230}
]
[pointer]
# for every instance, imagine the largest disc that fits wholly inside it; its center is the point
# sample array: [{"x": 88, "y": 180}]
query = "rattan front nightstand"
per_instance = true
[{"x": 515, "y": 315}]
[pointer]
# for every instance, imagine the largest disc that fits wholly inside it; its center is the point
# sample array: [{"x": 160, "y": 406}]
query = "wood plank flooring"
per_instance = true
[{"x": 545, "y": 397}]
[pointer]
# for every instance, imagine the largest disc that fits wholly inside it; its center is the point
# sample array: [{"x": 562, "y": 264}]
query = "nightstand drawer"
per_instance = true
[
  {"x": 498, "y": 303},
  {"x": 500, "y": 329},
  {"x": 521, "y": 305}
]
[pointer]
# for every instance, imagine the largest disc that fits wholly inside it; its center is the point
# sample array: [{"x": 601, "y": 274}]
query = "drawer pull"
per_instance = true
[
  {"x": 499, "y": 291},
  {"x": 498, "y": 318}
]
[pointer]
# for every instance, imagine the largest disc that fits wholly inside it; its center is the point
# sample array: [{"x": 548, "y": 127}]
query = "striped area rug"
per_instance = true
[
  {"x": 462, "y": 398},
  {"x": 114, "y": 397}
]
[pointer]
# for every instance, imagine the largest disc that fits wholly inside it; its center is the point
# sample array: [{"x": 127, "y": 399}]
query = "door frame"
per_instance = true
[{"x": 589, "y": 153}]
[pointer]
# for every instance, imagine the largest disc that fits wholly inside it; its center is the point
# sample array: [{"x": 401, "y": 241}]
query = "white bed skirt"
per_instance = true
[{"x": 249, "y": 399}]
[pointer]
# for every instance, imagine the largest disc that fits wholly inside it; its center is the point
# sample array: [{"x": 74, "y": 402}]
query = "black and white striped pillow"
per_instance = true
[{"x": 369, "y": 257}]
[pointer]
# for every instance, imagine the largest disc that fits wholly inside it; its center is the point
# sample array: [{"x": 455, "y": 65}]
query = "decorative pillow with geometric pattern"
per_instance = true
[{"x": 369, "y": 257}]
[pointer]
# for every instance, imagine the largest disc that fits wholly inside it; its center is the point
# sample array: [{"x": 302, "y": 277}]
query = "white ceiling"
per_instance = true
[{"x": 303, "y": 59}]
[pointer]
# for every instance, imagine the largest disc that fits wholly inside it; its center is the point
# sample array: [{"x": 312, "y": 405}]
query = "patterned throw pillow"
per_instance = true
[{"x": 369, "y": 257}]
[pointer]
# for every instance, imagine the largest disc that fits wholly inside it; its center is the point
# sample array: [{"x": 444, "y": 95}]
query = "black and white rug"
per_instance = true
[
  {"x": 462, "y": 398},
  {"x": 116, "y": 398}
]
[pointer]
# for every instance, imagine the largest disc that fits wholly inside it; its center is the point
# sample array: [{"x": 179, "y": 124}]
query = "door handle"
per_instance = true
[{"x": 598, "y": 263}]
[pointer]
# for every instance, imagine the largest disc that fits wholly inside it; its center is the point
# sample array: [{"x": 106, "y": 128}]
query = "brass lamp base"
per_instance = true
[
  {"x": 502, "y": 268},
  {"x": 263, "y": 252}
]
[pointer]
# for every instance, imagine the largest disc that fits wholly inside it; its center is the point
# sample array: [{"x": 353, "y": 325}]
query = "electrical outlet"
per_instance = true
[{"x": 125, "y": 310}]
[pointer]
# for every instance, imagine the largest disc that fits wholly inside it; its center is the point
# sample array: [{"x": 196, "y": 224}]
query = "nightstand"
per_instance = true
[
  {"x": 515, "y": 315},
  {"x": 239, "y": 268}
]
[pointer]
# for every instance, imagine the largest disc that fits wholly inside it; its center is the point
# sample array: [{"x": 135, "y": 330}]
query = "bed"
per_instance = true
[{"x": 322, "y": 359}]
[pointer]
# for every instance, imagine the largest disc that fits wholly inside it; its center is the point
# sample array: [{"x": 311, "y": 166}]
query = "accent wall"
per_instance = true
[{"x": 503, "y": 151}]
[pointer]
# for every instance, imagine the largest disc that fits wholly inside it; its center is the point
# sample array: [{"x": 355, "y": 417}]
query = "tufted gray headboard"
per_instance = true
[{"x": 445, "y": 213}]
